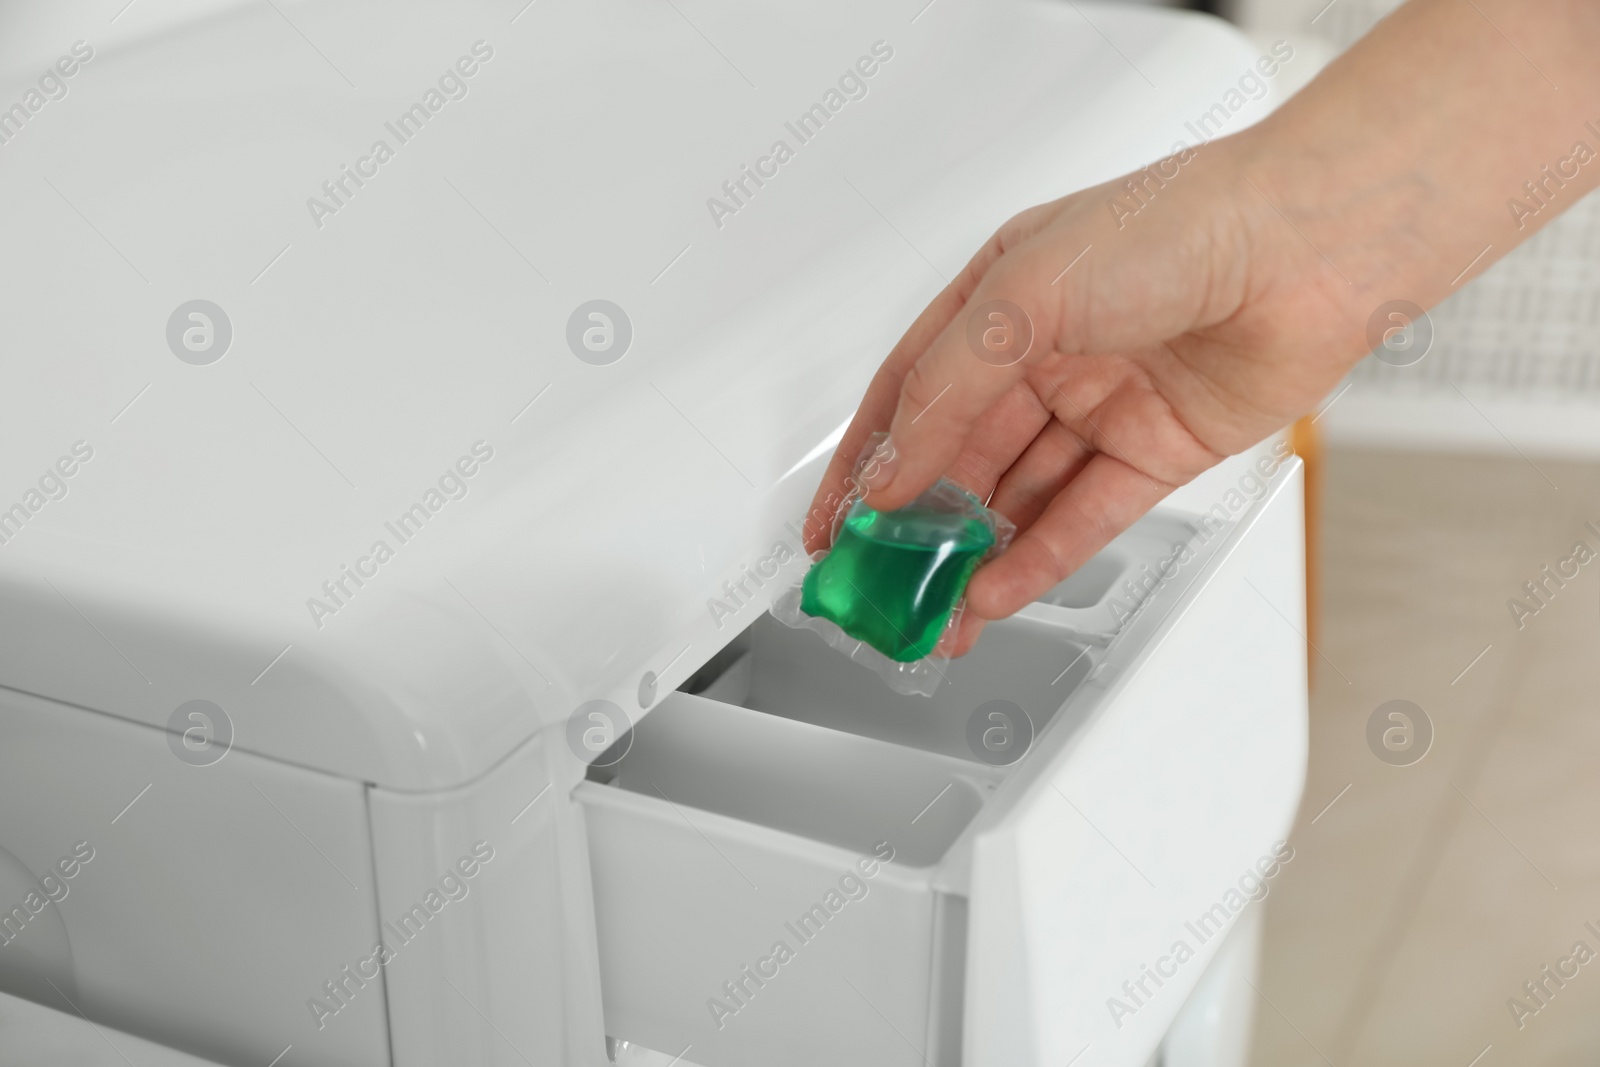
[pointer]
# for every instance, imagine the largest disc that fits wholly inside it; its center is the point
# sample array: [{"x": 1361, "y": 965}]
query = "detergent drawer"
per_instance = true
[
  {"x": 792, "y": 865},
  {"x": 765, "y": 876},
  {"x": 1024, "y": 669}
]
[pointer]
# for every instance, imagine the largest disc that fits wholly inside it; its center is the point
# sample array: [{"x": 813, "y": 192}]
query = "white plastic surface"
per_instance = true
[
  {"x": 1129, "y": 821},
  {"x": 842, "y": 790},
  {"x": 505, "y": 973},
  {"x": 32, "y": 1035},
  {"x": 698, "y": 817},
  {"x": 1102, "y": 596},
  {"x": 218, "y": 900},
  {"x": 686, "y": 899},
  {"x": 430, "y": 313},
  {"x": 1215, "y": 1027},
  {"x": 1034, "y": 663}
]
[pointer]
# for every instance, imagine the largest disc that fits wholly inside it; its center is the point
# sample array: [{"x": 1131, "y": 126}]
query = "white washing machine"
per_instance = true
[{"x": 342, "y": 487}]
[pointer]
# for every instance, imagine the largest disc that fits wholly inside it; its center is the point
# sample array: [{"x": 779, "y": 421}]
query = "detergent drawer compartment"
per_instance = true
[
  {"x": 1022, "y": 669},
  {"x": 754, "y": 875},
  {"x": 780, "y": 851},
  {"x": 1100, "y": 597}
]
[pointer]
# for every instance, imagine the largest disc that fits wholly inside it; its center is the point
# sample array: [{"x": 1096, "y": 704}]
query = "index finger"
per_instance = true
[
  {"x": 883, "y": 392},
  {"x": 981, "y": 352}
]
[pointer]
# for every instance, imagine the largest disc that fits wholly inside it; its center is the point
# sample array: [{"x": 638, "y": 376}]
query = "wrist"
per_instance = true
[{"x": 1326, "y": 244}]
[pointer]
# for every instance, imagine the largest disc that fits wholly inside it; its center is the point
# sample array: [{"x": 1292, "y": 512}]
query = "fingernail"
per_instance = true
[{"x": 879, "y": 468}]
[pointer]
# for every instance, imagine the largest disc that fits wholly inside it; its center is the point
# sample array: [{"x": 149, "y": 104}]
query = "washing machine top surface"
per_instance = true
[{"x": 397, "y": 379}]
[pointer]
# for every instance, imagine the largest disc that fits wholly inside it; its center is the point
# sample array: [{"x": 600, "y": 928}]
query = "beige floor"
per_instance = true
[{"x": 1426, "y": 895}]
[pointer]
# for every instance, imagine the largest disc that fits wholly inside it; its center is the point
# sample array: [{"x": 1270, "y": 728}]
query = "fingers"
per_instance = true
[
  {"x": 1053, "y": 459},
  {"x": 1026, "y": 486},
  {"x": 1002, "y": 434},
  {"x": 1103, "y": 499},
  {"x": 971, "y": 627},
  {"x": 877, "y": 408},
  {"x": 878, "y": 405},
  {"x": 978, "y": 357},
  {"x": 1134, "y": 291}
]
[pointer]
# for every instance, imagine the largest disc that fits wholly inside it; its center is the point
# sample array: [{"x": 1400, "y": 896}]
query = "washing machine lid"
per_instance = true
[{"x": 424, "y": 503}]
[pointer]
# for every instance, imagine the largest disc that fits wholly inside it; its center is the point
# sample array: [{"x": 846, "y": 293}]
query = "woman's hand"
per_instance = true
[
  {"x": 1232, "y": 288},
  {"x": 1162, "y": 341}
]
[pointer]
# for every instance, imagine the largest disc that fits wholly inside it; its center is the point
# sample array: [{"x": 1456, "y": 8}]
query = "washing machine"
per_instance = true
[{"x": 409, "y": 415}]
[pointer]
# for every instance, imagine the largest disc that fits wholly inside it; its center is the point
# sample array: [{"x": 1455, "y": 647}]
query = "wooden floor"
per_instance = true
[{"x": 1422, "y": 897}]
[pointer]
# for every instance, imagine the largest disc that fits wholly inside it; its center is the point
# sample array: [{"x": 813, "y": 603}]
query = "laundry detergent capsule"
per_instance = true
[
  {"x": 894, "y": 578},
  {"x": 891, "y": 586}
]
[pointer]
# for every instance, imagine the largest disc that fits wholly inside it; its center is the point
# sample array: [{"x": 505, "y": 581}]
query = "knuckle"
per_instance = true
[
  {"x": 918, "y": 391},
  {"x": 1053, "y": 565},
  {"x": 1039, "y": 565}
]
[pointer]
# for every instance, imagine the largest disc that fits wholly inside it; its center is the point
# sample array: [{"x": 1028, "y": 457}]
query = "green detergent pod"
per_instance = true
[
  {"x": 891, "y": 586},
  {"x": 894, "y": 578}
]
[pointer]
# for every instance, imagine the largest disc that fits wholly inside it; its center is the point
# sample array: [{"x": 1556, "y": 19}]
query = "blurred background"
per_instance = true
[{"x": 1429, "y": 886}]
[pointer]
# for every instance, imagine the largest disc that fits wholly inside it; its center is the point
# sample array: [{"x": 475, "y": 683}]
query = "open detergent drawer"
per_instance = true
[
  {"x": 793, "y": 865},
  {"x": 754, "y": 876},
  {"x": 766, "y": 855}
]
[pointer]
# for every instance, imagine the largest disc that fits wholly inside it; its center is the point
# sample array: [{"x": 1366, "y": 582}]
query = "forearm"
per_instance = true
[{"x": 1456, "y": 126}]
